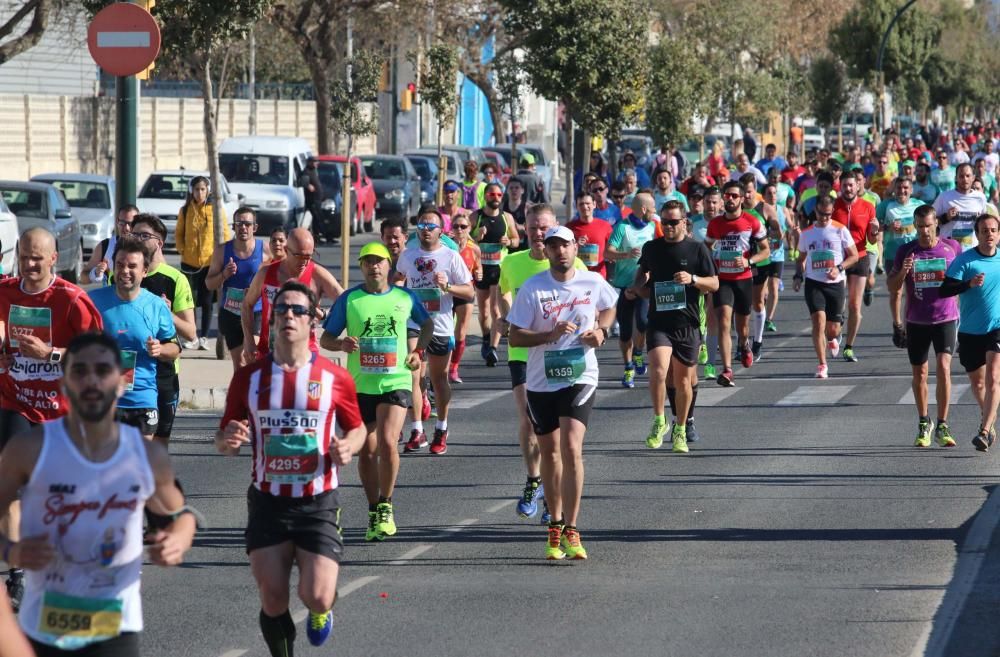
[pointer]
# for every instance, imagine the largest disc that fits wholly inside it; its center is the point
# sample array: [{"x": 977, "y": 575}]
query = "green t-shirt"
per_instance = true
[
  {"x": 167, "y": 281},
  {"x": 625, "y": 238},
  {"x": 515, "y": 269},
  {"x": 378, "y": 321},
  {"x": 767, "y": 231},
  {"x": 890, "y": 211}
]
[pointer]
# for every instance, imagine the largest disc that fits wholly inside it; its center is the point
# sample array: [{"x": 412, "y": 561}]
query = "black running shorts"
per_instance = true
[
  {"x": 735, "y": 294},
  {"x": 546, "y": 408},
  {"x": 826, "y": 297},
  {"x": 311, "y": 522},
  {"x": 920, "y": 337}
]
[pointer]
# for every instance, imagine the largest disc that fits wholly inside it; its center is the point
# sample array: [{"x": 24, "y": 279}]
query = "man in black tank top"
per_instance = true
[{"x": 494, "y": 231}]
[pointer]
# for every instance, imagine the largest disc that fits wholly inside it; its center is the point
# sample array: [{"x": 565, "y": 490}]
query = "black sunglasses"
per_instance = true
[{"x": 297, "y": 309}]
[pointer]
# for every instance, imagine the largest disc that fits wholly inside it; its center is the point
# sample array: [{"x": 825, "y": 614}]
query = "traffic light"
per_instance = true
[
  {"x": 406, "y": 102},
  {"x": 412, "y": 87},
  {"x": 144, "y": 74}
]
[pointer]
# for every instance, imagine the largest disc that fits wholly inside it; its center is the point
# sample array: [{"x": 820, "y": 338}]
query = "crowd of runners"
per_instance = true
[{"x": 686, "y": 276}]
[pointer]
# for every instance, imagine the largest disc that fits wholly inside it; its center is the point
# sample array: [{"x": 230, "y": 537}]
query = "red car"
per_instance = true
[{"x": 363, "y": 192}]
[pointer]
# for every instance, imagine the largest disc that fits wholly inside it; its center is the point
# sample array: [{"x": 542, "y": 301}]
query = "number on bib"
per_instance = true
[
  {"x": 669, "y": 296},
  {"x": 431, "y": 298},
  {"x": 377, "y": 355},
  {"x": 128, "y": 368},
  {"x": 564, "y": 365},
  {"x": 234, "y": 300},
  {"x": 727, "y": 262},
  {"x": 821, "y": 259},
  {"x": 928, "y": 272},
  {"x": 82, "y": 618},
  {"x": 290, "y": 458}
]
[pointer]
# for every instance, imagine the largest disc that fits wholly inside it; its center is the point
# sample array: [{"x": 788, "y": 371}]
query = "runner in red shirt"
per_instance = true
[
  {"x": 285, "y": 405},
  {"x": 591, "y": 234},
  {"x": 738, "y": 240},
  {"x": 858, "y": 216}
]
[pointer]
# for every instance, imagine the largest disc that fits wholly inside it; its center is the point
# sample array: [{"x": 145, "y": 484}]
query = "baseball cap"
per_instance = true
[
  {"x": 451, "y": 186},
  {"x": 374, "y": 249},
  {"x": 696, "y": 190},
  {"x": 527, "y": 158},
  {"x": 561, "y": 232},
  {"x": 909, "y": 163}
]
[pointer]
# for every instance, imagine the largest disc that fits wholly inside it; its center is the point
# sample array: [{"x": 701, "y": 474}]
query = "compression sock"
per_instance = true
[
  {"x": 713, "y": 347},
  {"x": 758, "y": 325},
  {"x": 279, "y": 633},
  {"x": 456, "y": 354},
  {"x": 694, "y": 399},
  {"x": 672, "y": 398}
]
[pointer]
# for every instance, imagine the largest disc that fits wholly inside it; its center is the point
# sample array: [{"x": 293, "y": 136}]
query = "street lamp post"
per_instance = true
[{"x": 878, "y": 64}]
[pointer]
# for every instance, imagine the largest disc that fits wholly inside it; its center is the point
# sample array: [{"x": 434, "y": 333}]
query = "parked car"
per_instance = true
[
  {"x": 813, "y": 137},
  {"x": 41, "y": 204},
  {"x": 164, "y": 192},
  {"x": 641, "y": 144},
  {"x": 464, "y": 153},
  {"x": 397, "y": 185},
  {"x": 363, "y": 193},
  {"x": 8, "y": 240},
  {"x": 92, "y": 198},
  {"x": 453, "y": 170},
  {"x": 501, "y": 164},
  {"x": 542, "y": 165},
  {"x": 427, "y": 168}
]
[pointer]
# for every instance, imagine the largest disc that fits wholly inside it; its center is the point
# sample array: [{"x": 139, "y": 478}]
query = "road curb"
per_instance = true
[{"x": 202, "y": 398}]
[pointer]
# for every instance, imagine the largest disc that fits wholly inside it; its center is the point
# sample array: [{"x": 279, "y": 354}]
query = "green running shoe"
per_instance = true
[
  {"x": 923, "y": 434},
  {"x": 943, "y": 435},
  {"x": 702, "y": 354},
  {"x": 849, "y": 355},
  {"x": 655, "y": 438},
  {"x": 571, "y": 544},
  {"x": 770, "y": 327},
  {"x": 385, "y": 524},
  {"x": 372, "y": 533},
  {"x": 553, "y": 549},
  {"x": 679, "y": 438},
  {"x": 710, "y": 372}
]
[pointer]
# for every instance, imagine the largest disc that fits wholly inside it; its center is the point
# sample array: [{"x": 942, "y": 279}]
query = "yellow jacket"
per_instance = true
[{"x": 195, "y": 234}]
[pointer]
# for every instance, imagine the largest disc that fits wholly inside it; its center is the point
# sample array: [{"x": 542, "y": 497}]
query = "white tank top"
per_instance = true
[{"x": 92, "y": 515}]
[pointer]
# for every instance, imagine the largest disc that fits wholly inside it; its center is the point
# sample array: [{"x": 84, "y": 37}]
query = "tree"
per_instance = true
[
  {"x": 828, "y": 79},
  {"x": 32, "y": 18},
  {"x": 438, "y": 77},
  {"x": 509, "y": 83},
  {"x": 681, "y": 87}
]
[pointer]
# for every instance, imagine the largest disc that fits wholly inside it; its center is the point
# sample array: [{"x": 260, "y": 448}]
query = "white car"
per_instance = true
[
  {"x": 8, "y": 240},
  {"x": 92, "y": 198},
  {"x": 814, "y": 137},
  {"x": 164, "y": 193}
]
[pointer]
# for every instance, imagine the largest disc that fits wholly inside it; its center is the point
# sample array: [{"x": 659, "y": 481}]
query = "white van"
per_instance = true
[{"x": 266, "y": 171}]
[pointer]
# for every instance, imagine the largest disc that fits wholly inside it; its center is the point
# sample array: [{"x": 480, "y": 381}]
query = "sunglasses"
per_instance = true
[
  {"x": 618, "y": 197},
  {"x": 243, "y": 224},
  {"x": 427, "y": 226},
  {"x": 732, "y": 195},
  {"x": 297, "y": 309},
  {"x": 598, "y": 189},
  {"x": 460, "y": 226},
  {"x": 494, "y": 195},
  {"x": 671, "y": 222}
]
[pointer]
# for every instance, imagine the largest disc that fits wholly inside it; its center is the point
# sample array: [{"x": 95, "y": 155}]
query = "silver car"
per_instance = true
[
  {"x": 542, "y": 166},
  {"x": 41, "y": 204},
  {"x": 92, "y": 198}
]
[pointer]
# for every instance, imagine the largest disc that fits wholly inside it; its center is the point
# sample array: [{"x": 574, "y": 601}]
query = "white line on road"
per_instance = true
[
  {"x": 342, "y": 592},
  {"x": 411, "y": 555},
  {"x": 957, "y": 390},
  {"x": 233, "y": 653},
  {"x": 711, "y": 396},
  {"x": 933, "y": 641},
  {"x": 500, "y": 506},
  {"x": 815, "y": 395},
  {"x": 460, "y": 525},
  {"x": 471, "y": 400}
]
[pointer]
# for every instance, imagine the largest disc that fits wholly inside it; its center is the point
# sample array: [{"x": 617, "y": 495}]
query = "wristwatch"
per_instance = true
[
  {"x": 840, "y": 268},
  {"x": 55, "y": 357},
  {"x": 694, "y": 279}
]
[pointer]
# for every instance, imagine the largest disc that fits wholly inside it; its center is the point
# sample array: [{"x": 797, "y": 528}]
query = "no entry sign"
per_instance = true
[{"x": 123, "y": 39}]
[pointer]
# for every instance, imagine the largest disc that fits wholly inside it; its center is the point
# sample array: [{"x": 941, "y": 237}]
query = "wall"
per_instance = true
[{"x": 59, "y": 64}]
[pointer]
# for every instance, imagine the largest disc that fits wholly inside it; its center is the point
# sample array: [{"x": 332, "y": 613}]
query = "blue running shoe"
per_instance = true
[
  {"x": 692, "y": 433},
  {"x": 546, "y": 516},
  {"x": 319, "y": 627},
  {"x": 640, "y": 364},
  {"x": 628, "y": 379},
  {"x": 527, "y": 506}
]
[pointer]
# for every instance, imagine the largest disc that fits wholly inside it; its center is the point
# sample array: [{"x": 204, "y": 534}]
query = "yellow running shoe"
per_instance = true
[
  {"x": 571, "y": 544},
  {"x": 385, "y": 523},
  {"x": 553, "y": 549},
  {"x": 923, "y": 434},
  {"x": 679, "y": 438},
  {"x": 655, "y": 438}
]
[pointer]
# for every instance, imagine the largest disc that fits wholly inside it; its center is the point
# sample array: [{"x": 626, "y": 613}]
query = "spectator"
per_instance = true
[{"x": 312, "y": 188}]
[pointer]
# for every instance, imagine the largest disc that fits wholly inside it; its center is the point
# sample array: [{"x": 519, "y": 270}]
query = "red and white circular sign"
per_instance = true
[{"x": 123, "y": 39}]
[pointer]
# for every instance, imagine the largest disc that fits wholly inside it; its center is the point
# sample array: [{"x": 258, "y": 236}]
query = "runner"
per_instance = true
[
  {"x": 39, "y": 315},
  {"x": 738, "y": 235},
  {"x": 82, "y": 594},
  {"x": 676, "y": 271},
  {"x": 471, "y": 255},
  {"x": 763, "y": 270},
  {"x": 664, "y": 191},
  {"x": 436, "y": 274},
  {"x": 592, "y": 235},
  {"x": 297, "y": 265},
  {"x": 772, "y": 206},
  {"x": 930, "y": 319},
  {"x": 494, "y": 231},
  {"x": 278, "y": 241},
  {"x": 624, "y": 249},
  {"x": 710, "y": 321},
  {"x": 473, "y": 189},
  {"x": 141, "y": 323},
  {"x": 958, "y": 208},
  {"x": 452, "y": 208},
  {"x": 975, "y": 274},
  {"x": 102, "y": 258},
  {"x": 233, "y": 267},
  {"x": 826, "y": 251},
  {"x": 379, "y": 359},
  {"x": 923, "y": 189},
  {"x": 286, "y": 404},
  {"x": 858, "y": 216},
  {"x": 895, "y": 217},
  {"x": 562, "y": 316}
]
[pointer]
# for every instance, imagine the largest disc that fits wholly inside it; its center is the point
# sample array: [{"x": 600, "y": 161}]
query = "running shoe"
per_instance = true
[
  {"x": 640, "y": 364},
  {"x": 943, "y": 435},
  {"x": 726, "y": 379},
  {"x": 628, "y": 379},
  {"x": 984, "y": 440},
  {"x": 849, "y": 355},
  {"x": 692, "y": 433},
  {"x": 571, "y": 544},
  {"x": 923, "y": 434},
  {"x": 15, "y": 589},
  {"x": 655, "y": 438},
  {"x": 710, "y": 372},
  {"x": 417, "y": 441},
  {"x": 546, "y": 516},
  {"x": 869, "y": 296},
  {"x": 822, "y": 372},
  {"x": 203, "y": 343},
  {"x": 386, "y": 523},
  {"x": 190, "y": 344},
  {"x": 371, "y": 534},
  {"x": 553, "y": 549},
  {"x": 440, "y": 443},
  {"x": 879, "y": 269},
  {"x": 527, "y": 506},
  {"x": 453, "y": 376},
  {"x": 492, "y": 358},
  {"x": 781, "y": 285},
  {"x": 679, "y": 440},
  {"x": 898, "y": 336},
  {"x": 319, "y": 626},
  {"x": 755, "y": 350},
  {"x": 746, "y": 356},
  {"x": 703, "y": 354},
  {"x": 770, "y": 327},
  {"x": 484, "y": 348},
  {"x": 833, "y": 346}
]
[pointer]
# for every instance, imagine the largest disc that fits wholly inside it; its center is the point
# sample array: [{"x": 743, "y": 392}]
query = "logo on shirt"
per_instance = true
[
  {"x": 314, "y": 390},
  {"x": 551, "y": 308},
  {"x": 425, "y": 265},
  {"x": 289, "y": 419}
]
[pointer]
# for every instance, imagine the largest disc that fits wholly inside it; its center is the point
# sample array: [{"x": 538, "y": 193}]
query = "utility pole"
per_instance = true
[
  {"x": 126, "y": 137},
  {"x": 345, "y": 186},
  {"x": 252, "y": 86}
]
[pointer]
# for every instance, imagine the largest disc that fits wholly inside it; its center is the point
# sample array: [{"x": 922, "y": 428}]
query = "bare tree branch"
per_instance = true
[{"x": 32, "y": 35}]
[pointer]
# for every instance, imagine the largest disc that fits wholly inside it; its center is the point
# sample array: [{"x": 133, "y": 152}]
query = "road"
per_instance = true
[{"x": 804, "y": 523}]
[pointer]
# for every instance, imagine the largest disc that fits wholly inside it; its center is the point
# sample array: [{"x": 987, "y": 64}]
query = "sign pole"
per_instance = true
[{"x": 126, "y": 139}]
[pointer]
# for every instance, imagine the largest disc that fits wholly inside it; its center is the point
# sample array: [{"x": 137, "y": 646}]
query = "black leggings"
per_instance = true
[
  {"x": 203, "y": 297},
  {"x": 632, "y": 314}
]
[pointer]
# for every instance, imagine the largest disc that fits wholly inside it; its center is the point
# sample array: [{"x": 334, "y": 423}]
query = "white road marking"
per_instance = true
[
  {"x": 710, "y": 396},
  {"x": 342, "y": 592},
  {"x": 500, "y": 506},
  {"x": 815, "y": 395},
  {"x": 460, "y": 525},
  {"x": 465, "y": 401},
  {"x": 123, "y": 39},
  {"x": 957, "y": 390},
  {"x": 411, "y": 555},
  {"x": 933, "y": 640},
  {"x": 233, "y": 653}
]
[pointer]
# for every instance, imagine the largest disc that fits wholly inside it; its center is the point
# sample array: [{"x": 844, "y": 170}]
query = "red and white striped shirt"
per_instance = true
[{"x": 292, "y": 416}]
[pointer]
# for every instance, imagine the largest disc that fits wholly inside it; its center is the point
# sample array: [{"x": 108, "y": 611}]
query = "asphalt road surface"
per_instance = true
[{"x": 803, "y": 523}]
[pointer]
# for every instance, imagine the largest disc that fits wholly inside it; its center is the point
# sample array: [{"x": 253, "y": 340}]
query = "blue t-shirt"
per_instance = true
[
  {"x": 611, "y": 214},
  {"x": 980, "y": 313},
  {"x": 131, "y": 323}
]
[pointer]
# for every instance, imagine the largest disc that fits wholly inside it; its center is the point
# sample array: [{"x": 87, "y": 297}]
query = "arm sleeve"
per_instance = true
[
  {"x": 520, "y": 310},
  {"x": 608, "y": 296},
  {"x": 165, "y": 330},
  {"x": 706, "y": 264},
  {"x": 179, "y": 232},
  {"x": 183, "y": 298},
  {"x": 504, "y": 279},
  {"x": 459, "y": 273},
  {"x": 336, "y": 321}
]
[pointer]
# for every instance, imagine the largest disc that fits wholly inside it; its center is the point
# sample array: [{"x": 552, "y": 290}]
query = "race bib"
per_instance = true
[
  {"x": 928, "y": 272},
  {"x": 377, "y": 355},
  {"x": 491, "y": 254},
  {"x": 669, "y": 296},
  {"x": 128, "y": 368},
  {"x": 290, "y": 458},
  {"x": 81, "y": 618},
  {"x": 727, "y": 262},
  {"x": 564, "y": 365},
  {"x": 589, "y": 255},
  {"x": 822, "y": 259},
  {"x": 29, "y": 321},
  {"x": 234, "y": 300},
  {"x": 431, "y": 298}
]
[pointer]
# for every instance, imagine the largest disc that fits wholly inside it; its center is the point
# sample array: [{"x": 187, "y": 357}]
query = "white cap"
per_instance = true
[{"x": 561, "y": 232}]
